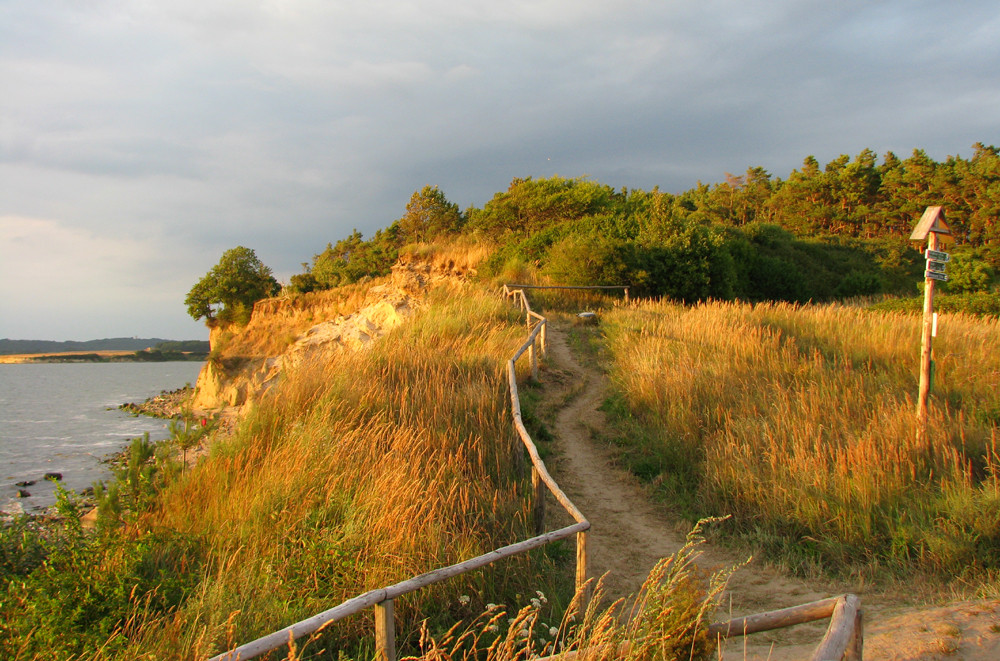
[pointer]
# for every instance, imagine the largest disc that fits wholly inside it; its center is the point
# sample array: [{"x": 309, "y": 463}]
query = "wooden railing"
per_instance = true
[
  {"x": 381, "y": 600},
  {"x": 843, "y": 640}
]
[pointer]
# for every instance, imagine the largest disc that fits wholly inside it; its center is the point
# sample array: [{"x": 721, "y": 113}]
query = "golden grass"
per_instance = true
[
  {"x": 667, "y": 619},
  {"x": 461, "y": 255},
  {"x": 801, "y": 420},
  {"x": 357, "y": 474}
]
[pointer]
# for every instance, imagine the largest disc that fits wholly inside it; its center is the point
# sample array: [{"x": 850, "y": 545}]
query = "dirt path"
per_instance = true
[{"x": 630, "y": 534}]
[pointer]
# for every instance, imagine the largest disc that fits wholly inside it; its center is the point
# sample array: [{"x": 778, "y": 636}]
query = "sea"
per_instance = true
[{"x": 64, "y": 418}]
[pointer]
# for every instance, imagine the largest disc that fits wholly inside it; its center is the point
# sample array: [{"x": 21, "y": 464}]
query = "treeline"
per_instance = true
[
  {"x": 8, "y": 346},
  {"x": 837, "y": 231}
]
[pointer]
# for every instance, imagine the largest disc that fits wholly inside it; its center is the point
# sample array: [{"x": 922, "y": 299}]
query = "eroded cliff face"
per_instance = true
[{"x": 311, "y": 328}]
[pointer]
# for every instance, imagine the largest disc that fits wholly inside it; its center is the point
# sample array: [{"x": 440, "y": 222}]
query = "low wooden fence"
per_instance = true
[{"x": 843, "y": 639}]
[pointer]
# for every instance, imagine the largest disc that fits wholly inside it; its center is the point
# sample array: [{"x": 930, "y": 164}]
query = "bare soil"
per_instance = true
[{"x": 630, "y": 533}]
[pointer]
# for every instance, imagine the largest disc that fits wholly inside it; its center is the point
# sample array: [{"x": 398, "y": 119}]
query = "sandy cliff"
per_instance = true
[{"x": 288, "y": 332}]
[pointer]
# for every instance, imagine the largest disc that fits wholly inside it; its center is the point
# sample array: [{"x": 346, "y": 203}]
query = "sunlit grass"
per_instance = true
[
  {"x": 800, "y": 421},
  {"x": 667, "y": 619},
  {"x": 357, "y": 474}
]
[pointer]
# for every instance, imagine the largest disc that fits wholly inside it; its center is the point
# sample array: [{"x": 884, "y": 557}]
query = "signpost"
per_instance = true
[{"x": 930, "y": 226}]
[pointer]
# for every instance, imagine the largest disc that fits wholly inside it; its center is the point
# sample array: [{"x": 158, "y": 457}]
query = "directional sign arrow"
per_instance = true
[
  {"x": 934, "y": 275},
  {"x": 937, "y": 255},
  {"x": 938, "y": 267}
]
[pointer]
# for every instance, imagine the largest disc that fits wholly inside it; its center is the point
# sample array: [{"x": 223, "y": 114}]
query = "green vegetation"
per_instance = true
[
  {"x": 822, "y": 234},
  {"x": 799, "y": 421},
  {"x": 233, "y": 285}
]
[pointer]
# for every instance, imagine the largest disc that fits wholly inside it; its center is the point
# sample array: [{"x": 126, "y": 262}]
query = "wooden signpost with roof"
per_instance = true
[{"x": 933, "y": 228}]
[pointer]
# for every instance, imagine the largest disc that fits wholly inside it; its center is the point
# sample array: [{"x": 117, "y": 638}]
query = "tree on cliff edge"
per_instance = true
[{"x": 230, "y": 289}]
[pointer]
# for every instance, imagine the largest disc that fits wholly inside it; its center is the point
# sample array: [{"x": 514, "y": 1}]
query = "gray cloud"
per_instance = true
[{"x": 173, "y": 131}]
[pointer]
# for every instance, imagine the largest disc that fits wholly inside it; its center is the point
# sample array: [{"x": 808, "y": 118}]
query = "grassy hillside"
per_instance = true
[
  {"x": 800, "y": 422},
  {"x": 353, "y": 475}
]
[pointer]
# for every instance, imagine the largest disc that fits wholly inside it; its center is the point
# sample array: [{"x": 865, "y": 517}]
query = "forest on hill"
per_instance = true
[{"x": 820, "y": 234}]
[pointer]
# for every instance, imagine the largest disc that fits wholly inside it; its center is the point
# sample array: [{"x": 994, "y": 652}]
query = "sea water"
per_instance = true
[{"x": 63, "y": 418}]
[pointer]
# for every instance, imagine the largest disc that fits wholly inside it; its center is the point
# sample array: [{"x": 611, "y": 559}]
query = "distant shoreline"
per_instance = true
[{"x": 103, "y": 356}]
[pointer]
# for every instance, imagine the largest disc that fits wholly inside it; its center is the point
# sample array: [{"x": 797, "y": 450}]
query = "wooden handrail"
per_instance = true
[
  {"x": 844, "y": 637},
  {"x": 382, "y": 599},
  {"x": 569, "y": 286}
]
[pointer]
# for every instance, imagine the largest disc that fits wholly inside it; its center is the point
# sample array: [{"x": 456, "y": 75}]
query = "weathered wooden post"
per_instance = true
[
  {"x": 539, "y": 500},
  {"x": 581, "y": 568},
  {"x": 533, "y": 358},
  {"x": 545, "y": 337},
  {"x": 856, "y": 650},
  {"x": 930, "y": 226},
  {"x": 385, "y": 631}
]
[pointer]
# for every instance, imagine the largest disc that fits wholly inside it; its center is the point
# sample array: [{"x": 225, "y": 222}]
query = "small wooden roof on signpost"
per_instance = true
[{"x": 931, "y": 221}]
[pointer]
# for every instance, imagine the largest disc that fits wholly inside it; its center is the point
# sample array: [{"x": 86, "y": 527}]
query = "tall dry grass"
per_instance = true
[
  {"x": 354, "y": 475},
  {"x": 459, "y": 255},
  {"x": 800, "y": 421},
  {"x": 666, "y": 619}
]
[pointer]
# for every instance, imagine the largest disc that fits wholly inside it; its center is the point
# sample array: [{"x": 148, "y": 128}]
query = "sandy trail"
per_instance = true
[{"x": 630, "y": 534}]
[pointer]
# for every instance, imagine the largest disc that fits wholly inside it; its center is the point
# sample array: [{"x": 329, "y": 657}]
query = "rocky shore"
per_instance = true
[{"x": 168, "y": 404}]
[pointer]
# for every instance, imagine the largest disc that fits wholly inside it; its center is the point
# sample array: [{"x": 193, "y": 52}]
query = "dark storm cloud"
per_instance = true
[{"x": 158, "y": 135}]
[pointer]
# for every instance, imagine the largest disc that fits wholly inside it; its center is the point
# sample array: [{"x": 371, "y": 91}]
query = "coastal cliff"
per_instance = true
[{"x": 289, "y": 332}]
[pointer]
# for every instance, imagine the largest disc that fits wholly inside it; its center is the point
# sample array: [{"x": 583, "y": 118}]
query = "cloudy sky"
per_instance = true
[{"x": 139, "y": 139}]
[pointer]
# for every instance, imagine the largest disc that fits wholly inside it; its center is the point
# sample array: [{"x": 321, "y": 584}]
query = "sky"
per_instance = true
[{"x": 140, "y": 139}]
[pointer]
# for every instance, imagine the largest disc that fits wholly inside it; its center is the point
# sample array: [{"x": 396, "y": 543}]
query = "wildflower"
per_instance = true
[
  {"x": 493, "y": 628},
  {"x": 536, "y": 604},
  {"x": 464, "y": 600},
  {"x": 491, "y": 607},
  {"x": 523, "y": 633},
  {"x": 541, "y": 596},
  {"x": 553, "y": 631}
]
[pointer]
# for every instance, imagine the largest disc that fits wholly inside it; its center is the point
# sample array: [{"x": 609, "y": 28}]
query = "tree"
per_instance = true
[
  {"x": 428, "y": 215},
  {"x": 230, "y": 289}
]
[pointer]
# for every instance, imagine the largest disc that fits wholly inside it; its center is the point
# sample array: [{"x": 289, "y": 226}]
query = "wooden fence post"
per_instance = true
[
  {"x": 539, "y": 500},
  {"x": 581, "y": 568},
  {"x": 856, "y": 650},
  {"x": 533, "y": 357},
  {"x": 385, "y": 631},
  {"x": 926, "y": 349},
  {"x": 545, "y": 337}
]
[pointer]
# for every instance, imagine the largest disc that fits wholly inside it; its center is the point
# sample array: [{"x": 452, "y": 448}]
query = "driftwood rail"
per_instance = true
[{"x": 381, "y": 600}]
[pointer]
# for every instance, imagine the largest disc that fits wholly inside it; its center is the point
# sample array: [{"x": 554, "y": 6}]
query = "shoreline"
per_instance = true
[
  {"x": 165, "y": 405},
  {"x": 101, "y": 356}
]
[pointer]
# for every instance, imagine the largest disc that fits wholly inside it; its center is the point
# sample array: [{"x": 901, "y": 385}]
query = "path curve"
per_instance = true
[{"x": 630, "y": 535}]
